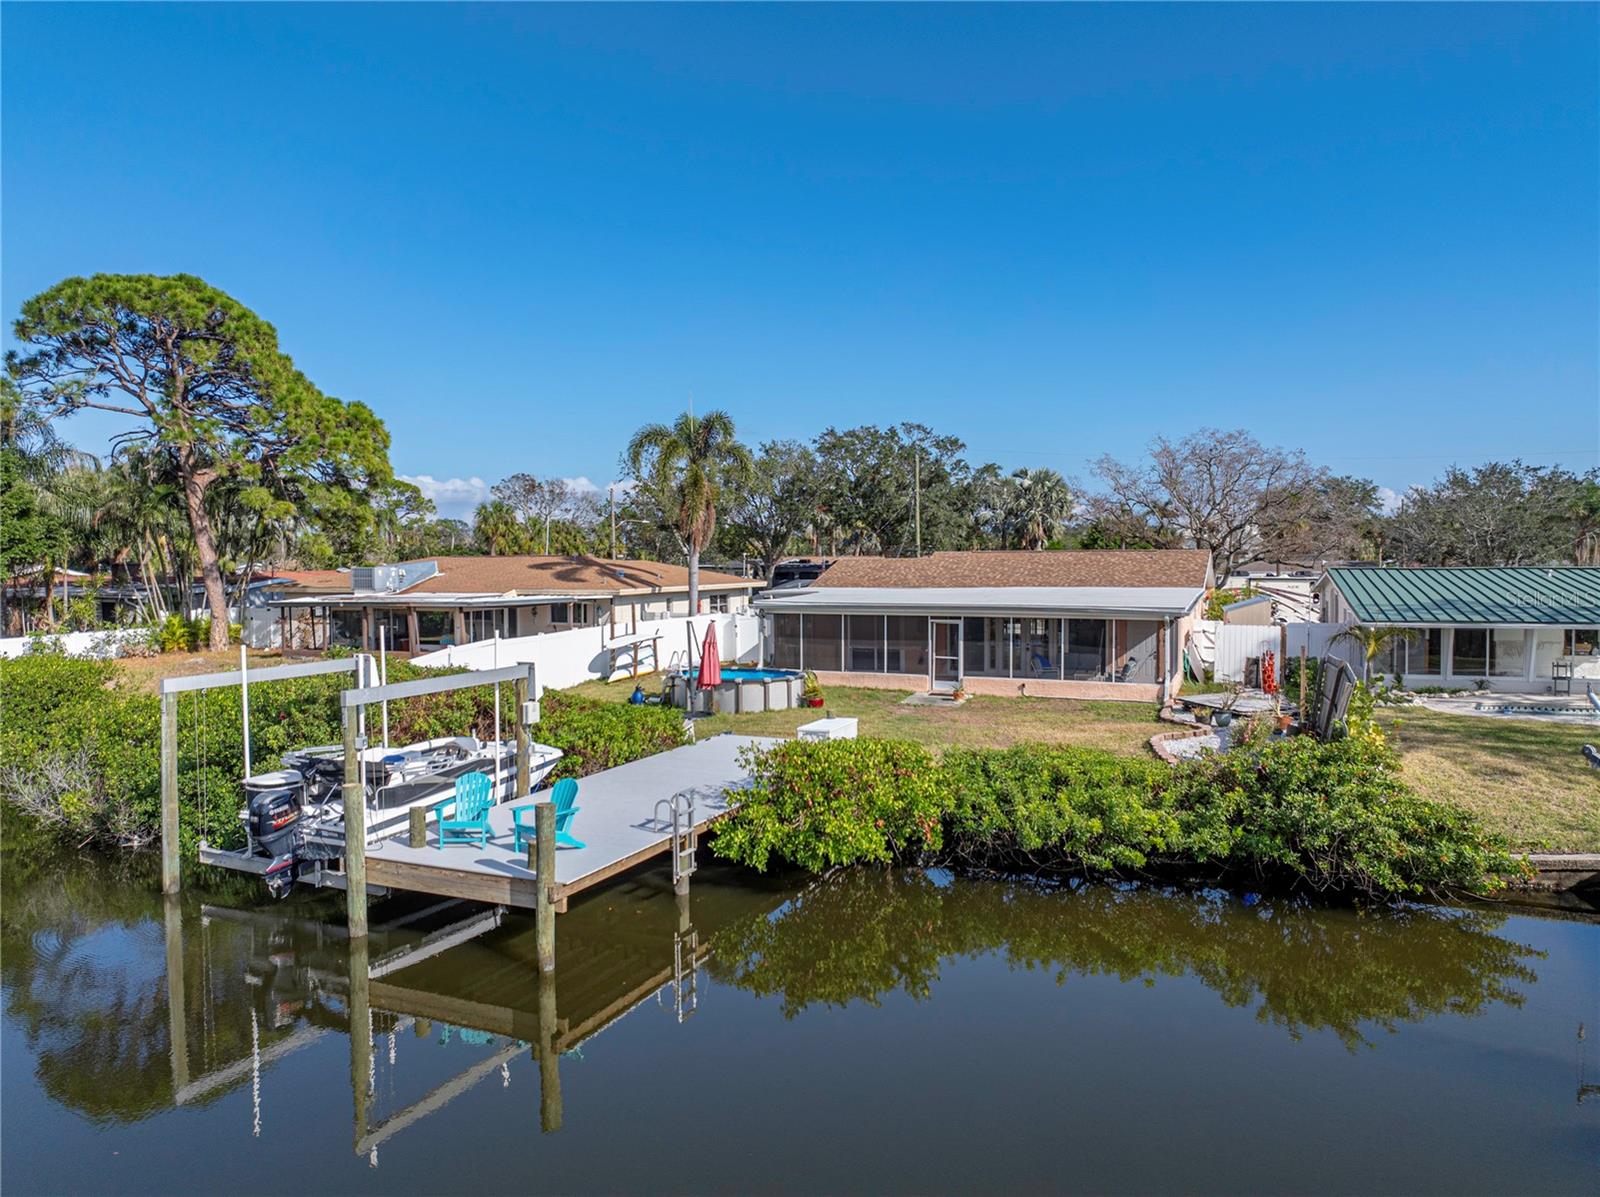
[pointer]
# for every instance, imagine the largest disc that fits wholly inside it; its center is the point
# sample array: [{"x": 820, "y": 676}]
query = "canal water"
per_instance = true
[{"x": 876, "y": 1031}]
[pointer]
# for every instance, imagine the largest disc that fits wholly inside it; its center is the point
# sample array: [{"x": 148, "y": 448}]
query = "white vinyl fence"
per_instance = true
[
  {"x": 77, "y": 644},
  {"x": 583, "y": 654},
  {"x": 1236, "y": 643}
]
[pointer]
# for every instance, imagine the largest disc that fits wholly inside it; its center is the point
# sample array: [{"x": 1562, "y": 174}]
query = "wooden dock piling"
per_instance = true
[
  {"x": 544, "y": 822},
  {"x": 355, "y": 828},
  {"x": 418, "y": 831}
]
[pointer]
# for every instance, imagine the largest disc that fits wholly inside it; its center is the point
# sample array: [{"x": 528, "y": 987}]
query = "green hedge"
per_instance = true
[
  {"x": 1292, "y": 813},
  {"x": 80, "y": 747}
]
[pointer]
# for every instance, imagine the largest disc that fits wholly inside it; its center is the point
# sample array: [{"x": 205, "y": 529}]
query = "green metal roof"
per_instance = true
[{"x": 1462, "y": 595}]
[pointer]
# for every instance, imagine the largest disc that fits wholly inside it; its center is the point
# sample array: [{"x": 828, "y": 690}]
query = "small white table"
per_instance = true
[{"x": 838, "y": 728}]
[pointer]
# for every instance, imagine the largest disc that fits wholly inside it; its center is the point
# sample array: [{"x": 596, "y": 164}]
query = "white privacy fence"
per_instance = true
[
  {"x": 77, "y": 644},
  {"x": 1236, "y": 643},
  {"x": 584, "y": 654}
]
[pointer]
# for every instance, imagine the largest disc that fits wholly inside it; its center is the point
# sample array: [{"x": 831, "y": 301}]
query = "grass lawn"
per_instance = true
[
  {"x": 981, "y": 721},
  {"x": 1525, "y": 777},
  {"x": 146, "y": 672}
]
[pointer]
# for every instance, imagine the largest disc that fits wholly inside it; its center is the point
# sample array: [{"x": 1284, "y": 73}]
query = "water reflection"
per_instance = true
[
  {"x": 132, "y": 1004},
  {"x": 863, "y": 934}
]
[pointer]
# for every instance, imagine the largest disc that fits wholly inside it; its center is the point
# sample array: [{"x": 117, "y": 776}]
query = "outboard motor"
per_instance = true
[{"x": 274, "y": 803}]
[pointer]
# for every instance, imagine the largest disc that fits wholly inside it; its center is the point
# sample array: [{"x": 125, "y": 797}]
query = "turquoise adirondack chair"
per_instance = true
[
  {"x": 469, "y": 822},
  {"x": 563, "y": 795}
]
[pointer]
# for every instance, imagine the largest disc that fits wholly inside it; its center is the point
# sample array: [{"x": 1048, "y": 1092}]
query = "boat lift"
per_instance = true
[
  {"x": 171, "y": 872},
  {"x": 353, "y": 704}
]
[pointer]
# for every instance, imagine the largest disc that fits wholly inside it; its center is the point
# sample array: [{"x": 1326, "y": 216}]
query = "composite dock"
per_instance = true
[{"x": 622, "y": 822}]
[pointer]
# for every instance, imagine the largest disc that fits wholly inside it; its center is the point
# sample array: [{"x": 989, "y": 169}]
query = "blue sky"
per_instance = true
[{"x": 1368, "y": 231}]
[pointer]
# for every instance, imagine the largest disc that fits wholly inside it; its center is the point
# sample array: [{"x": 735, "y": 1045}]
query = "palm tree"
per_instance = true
[
  {"x": 690, "y": 464},
  {"x": 1373, "y": 640},
  {"x": 1041, "y": 502},
  {"x": 498, "y": 530}
]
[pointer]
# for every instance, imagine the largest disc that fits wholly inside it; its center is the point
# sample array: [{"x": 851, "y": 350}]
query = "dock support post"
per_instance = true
[
  {"x": 355, "y": 829},
  {"x": 360, "y": 1008},
  {"x": 524, "y": 739},
  {"x": 549, "y": 1057},
  {"x": 544, "y": 822},
  {"x": 171, "y": 872},
  {"x": 419, "y": 827},
  {"x": 177, "y": 1007}
]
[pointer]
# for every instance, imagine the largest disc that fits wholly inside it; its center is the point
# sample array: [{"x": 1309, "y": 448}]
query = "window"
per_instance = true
[
  {"x": 1581, "y": 642},
  {"x": 717, "y": 604},
  {"x": 1039, "y": 652},
  {"x": 784, "y": 648},
  {"x": 823, "y": 650},
  {"x": 578, "y": 615},
  {"x": 907, "y": 648},
  {"x": 483, "y": 623},
  {"x": 1508, "y": 652},
  {"x": 1088, "y": 645},
  {"x": 863, "y": 651},
  {"x": 983, "y": 647},
  {"x": 1469, "y": 656},
  {"x": 1424, "y": 653}
]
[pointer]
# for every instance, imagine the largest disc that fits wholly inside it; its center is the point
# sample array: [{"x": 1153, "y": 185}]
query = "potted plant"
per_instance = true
[
  {"x": 811, "y": 690},
  {"x": 960, "y": 692}
]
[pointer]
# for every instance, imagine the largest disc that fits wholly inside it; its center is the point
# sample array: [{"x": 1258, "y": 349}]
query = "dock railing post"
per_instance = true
[
  {"x": 544, "y": 822},
  {"x": 549, "y": 1057},
  {"x": 171, "y": 870},
  {"x": 355, "y": 828}
]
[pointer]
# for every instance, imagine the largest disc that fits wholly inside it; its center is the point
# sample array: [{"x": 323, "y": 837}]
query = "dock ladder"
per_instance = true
[{"x": 680, "y": 816}]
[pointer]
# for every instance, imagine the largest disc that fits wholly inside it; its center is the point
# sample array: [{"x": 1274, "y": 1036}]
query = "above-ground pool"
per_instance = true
[{"x": 740, "y": 690}]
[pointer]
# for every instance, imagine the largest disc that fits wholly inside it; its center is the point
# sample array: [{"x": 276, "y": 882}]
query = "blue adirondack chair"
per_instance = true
[
  {"x": 469, "y": 822},
  {"x": 563, "y": 795}
]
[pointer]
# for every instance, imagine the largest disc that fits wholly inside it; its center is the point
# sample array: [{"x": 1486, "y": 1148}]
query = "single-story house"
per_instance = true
[
  {"x": 442, "y": 601},
  {"x": 1507, "y": 626},
  {"x": 1097, "y": 623}
]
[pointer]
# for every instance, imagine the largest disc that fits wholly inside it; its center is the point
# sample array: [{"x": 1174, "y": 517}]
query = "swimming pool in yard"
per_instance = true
[{"x": 739, "y": 692}]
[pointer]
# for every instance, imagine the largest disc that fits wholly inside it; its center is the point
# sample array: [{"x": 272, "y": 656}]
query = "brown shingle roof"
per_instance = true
[
  {"x": 532, "y": 575},
  {"x": 1006, "y": 568}
]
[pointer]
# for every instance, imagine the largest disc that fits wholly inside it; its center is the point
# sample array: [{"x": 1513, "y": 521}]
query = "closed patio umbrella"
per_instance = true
[{"x": 710, "y": 665}]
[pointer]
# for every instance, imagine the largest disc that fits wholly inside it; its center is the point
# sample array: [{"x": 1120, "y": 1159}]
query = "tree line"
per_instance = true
[{"x": 232, "y": 461}]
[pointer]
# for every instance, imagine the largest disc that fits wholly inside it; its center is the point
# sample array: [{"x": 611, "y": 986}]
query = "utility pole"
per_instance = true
[
  {"x": 916, "y": 494},
  {"x": 613, "y": 489}
]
